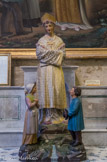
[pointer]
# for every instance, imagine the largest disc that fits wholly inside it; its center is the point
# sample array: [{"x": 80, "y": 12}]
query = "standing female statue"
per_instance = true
[{"x": 50, "y": 50}]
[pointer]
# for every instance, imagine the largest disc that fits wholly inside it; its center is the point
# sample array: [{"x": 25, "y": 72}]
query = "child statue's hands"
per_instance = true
[
  {"x": 36, "y": 102},
  {"x": 65, "y": 114}
]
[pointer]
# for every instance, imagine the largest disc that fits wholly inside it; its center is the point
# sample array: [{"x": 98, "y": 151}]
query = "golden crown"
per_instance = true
[{"x": 48, "y": 17}]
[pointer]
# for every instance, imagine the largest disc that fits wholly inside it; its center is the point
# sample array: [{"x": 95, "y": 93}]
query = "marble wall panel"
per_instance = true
[{"x": 10, "y": 107}]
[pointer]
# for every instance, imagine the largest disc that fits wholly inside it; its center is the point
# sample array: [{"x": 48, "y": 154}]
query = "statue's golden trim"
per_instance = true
[{"x": 71, "y": 53}]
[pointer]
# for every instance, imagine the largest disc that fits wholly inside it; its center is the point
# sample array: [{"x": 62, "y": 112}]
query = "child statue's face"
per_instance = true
[
  {"x": 72, "y": 93},
  {"x": 33, "y": 90},
  {"x": 49, "y": 27}
]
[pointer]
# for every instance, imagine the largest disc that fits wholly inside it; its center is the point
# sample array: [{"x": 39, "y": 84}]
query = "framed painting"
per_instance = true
[{"x": 5, "y": 69}]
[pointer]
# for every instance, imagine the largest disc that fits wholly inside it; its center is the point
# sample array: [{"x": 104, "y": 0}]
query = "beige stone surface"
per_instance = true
[
  {"x": 89, "y": 69},
  {"x": 17, "y": 72}
]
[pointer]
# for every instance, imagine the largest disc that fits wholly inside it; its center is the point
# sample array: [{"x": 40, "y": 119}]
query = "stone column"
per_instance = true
[
  {"x": 30, "y": 73},
  {"x": 69, "y": 75}
]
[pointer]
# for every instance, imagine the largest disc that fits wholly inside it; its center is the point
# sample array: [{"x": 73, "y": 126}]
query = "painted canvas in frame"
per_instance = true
[
  {"x": 5, "y": 69},
  {"x": 80, "y": 23}
]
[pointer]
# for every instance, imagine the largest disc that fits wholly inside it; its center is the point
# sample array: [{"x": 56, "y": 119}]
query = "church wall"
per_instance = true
[
  {"x": 17, "y": 72},
  {"x": 89, "y": 69}
]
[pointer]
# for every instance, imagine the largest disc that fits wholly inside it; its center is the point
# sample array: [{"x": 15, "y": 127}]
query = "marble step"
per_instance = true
[
  {"x": 91, "y": 137},
  {"x": 95, "y": 137},
  {"x": 11, "y": 137}
]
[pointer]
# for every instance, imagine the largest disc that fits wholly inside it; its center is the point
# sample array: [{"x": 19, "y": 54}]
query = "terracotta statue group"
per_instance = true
[{"x": 46, "y": 99}]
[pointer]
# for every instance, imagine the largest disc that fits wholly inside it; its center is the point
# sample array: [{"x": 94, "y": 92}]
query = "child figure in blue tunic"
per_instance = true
[{"x": 75, "y": 114}]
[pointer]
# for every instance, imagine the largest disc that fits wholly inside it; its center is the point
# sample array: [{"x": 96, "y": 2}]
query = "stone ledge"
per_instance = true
[
  {"x": 11, "y": 87},
  {"x": 94, "y": 130},
  {"x": 33, "y": 68},
  {"x": 93, "y": 87},
  {"x": 9, "y": 130},
  {"x": 3, "y": 131}
]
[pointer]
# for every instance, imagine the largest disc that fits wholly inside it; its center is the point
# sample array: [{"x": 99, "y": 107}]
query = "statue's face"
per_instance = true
[
  {"x": 49, "y": 27},
  {"x": 33, "y": 90},
  {"x": 72, "y": 93}
]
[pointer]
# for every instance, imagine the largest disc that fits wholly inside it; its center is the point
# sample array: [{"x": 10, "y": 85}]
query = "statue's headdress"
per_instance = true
[
  {"x": 29, "y": 87},
  {"x": 48, "y": 18}
]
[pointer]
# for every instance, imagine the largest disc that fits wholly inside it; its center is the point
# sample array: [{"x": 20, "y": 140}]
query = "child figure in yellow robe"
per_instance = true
[{"x": 31, "y": 116}]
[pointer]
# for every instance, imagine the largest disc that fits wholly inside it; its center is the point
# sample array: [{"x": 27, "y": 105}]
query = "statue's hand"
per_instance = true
[
  {"x": 36, "y": 102},
  {"x": 65, "y": 114}
]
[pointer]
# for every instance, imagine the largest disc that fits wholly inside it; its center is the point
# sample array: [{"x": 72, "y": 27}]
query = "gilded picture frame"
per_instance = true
[{"x": 71, "y": 53}]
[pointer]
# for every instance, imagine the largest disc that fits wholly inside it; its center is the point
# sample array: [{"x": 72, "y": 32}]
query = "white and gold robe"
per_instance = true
[{"x": 50, "y": 77}]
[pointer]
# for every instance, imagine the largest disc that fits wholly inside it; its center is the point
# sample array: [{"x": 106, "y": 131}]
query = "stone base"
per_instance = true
[
  {"x": 53, "y": 146},
  {"x": 43, "y": 152}
]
